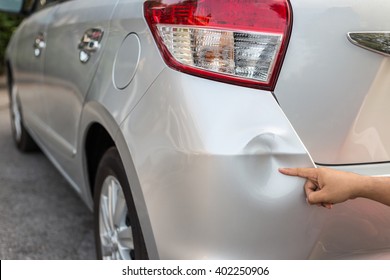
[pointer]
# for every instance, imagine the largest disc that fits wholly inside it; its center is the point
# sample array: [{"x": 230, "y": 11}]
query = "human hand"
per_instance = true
[{"x": 325, "y": 186}]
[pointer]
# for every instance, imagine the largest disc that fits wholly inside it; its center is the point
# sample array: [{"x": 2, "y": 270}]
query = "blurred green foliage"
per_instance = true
[{"x": 8, "y": 23}]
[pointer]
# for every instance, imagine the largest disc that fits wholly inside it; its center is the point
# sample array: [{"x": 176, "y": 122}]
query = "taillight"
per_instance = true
[{"x": 241, "y": 42}]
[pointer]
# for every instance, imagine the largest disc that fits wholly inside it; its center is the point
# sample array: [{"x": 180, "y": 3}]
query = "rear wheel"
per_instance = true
[
  {"x": 118, "y": 233},
  {"x": 22, "y": 138}
]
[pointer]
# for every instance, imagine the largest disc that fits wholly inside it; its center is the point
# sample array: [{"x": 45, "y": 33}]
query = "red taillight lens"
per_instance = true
[{"x": 235, "y": 41}]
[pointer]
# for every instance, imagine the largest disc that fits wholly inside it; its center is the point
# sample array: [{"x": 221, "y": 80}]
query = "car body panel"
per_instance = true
[
  {"x": 208, "y": 171},
  {"x": 333, "y": 92},
  {"x": 357, "y": 229},
  {"x": 126, "y": 20},
  {"x": 29, "y": 68},
  {"x": 67, "y": 79}
]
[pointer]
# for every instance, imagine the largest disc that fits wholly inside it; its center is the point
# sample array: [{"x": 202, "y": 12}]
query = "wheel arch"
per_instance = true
[
  {"x": 97, "y": 142},
  {"x": 101, "y": 132}
]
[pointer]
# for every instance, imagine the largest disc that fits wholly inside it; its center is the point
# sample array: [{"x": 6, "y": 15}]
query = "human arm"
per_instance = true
[{"x": 326, "y": 186}]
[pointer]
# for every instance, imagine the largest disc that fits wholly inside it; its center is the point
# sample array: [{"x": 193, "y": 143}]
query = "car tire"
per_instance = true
[
  {"x": 118, "y": 233},
  {"x": 22, "y": 138}
]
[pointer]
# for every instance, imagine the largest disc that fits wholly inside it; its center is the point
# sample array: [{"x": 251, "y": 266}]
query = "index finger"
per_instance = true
[{"x": 300, "y": 172}]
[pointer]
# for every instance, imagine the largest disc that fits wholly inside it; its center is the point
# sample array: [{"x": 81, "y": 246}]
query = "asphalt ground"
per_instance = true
[{"x": 41, "y": 217}]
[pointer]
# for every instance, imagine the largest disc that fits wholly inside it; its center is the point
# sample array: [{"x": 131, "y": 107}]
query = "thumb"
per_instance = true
[{"x": 317, "y": 197}]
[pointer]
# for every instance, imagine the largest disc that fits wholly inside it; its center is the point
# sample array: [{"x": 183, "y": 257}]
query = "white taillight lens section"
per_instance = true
[{"x": 238, "y": 41}]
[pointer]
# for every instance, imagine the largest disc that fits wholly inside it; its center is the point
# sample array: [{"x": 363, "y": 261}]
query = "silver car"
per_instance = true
[{"x": 171, "y": 118}]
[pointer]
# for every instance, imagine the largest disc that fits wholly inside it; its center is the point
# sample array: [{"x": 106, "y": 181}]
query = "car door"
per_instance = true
[
  {"x": 28, "y": 66},
  {"x": 75, "y": 42}
]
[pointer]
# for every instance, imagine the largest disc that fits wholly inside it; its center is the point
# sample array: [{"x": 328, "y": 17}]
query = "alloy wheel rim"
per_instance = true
[{"x": 116, "y": 235}]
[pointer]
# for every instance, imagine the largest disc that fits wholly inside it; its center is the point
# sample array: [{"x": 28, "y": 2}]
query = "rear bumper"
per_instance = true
[{"x": 371, "y": 169}]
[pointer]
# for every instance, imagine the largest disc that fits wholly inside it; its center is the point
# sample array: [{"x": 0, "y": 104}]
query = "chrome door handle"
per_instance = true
[
  {"x": 39, "y": 44},
  {"x": 90, "y": 43}
]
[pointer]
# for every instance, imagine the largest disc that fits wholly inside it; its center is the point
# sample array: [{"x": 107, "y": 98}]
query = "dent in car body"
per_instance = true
[{"x": 209, "y": 171}]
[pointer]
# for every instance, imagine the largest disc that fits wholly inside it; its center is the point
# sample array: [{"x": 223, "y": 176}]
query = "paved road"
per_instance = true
[{"x": 41, "y": 217}]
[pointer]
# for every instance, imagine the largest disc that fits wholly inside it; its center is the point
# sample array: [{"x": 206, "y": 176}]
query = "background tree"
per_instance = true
[{"x": 8, "y": 24}]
